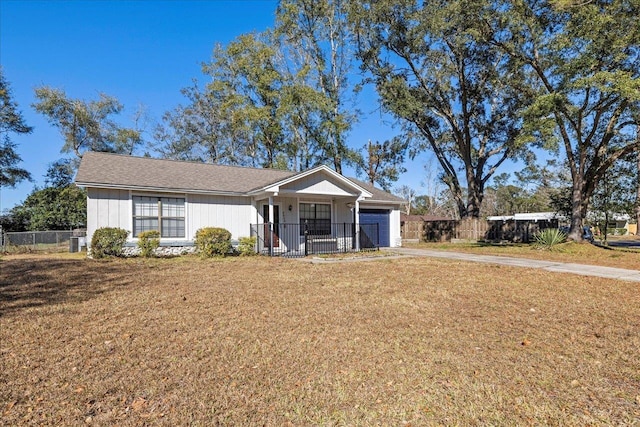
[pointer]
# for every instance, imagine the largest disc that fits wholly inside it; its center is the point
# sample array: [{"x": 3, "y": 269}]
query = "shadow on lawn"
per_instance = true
[{"x": 33, "y": 282}]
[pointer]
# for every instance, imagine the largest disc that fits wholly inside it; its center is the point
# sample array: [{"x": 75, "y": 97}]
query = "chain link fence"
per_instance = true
[{"x": 31, "y": 241}]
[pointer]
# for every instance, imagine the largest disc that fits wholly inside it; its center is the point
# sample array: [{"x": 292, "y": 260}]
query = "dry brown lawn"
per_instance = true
[
  {"x": 579, "y": 253},
  {"x": 258, "y": 341}
]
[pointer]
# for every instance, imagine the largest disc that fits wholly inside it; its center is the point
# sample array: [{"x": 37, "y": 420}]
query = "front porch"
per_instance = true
[{"x": 302, "y": 239}]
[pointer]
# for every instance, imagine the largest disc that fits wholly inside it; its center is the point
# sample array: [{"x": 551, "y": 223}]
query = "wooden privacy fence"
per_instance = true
[
  {"x": 412, "y": 230},
  {"x": 472, "y": 229},
  {"x": 444, "y": 230}
]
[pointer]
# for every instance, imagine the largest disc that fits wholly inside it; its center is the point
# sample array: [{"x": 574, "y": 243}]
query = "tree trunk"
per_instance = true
[
  {"x": 577, "y": 212},
  {"x": 638, "y": 192},
  {"x": 474, "y": 201},
  {"x": 337, "y": 154},
  {"x": 462, "y": 206}
]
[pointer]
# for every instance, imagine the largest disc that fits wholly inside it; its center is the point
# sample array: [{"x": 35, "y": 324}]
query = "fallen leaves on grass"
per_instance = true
[{"x": 274, "y": 342}]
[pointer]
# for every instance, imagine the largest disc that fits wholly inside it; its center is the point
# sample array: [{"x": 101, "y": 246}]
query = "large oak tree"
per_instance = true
[
  {"x": 581, "y": 60},
  {"x": 458, "y": 95}
]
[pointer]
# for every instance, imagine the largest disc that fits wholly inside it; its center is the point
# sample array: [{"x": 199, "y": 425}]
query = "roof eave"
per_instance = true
[
  {"x": 158, "y": 189},
  {"x": 380, "y": 202}
]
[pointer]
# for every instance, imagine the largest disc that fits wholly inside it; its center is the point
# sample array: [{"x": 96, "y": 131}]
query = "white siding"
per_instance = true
[
  {"x": 233, "y": 213},
  {"x": 395, "y": 239},
  {"x": 286, "y": 216},
  {"x": 112, "y": 208},
  {"x": 342, "y": 213},
  {"x": 316, "y": 184},
  {"x": 107, "y": 208}
]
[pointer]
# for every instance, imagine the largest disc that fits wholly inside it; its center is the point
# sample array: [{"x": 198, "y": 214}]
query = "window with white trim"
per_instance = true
[
  {"x": 165, "y": 214},
  {"x": 315, "y": 218}
]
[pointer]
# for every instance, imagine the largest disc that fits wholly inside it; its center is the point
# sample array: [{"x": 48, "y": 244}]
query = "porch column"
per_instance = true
[
  {"x": 270, "y": 209},
  {"x": 254, "y": 205},
  {"x": 270, "y": 225},
  {"x": 356, "y": 210}
]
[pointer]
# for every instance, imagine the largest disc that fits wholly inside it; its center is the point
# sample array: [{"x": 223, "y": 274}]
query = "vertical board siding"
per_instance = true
[
  {"x": 107, "y": 208},
  {"x": 92, "y": 213},
  {"x": 112, "y": 208},
  {"x": 231, "y": 213},
  {"x": 395, "y": 238},
  {"x": 286, "y": 216},
  {"x": 343, "y": 213}
]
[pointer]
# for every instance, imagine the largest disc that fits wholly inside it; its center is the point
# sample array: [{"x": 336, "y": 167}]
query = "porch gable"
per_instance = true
[
  {"x": 318, "y": 184},
  {"x": 319, "y": 181}
]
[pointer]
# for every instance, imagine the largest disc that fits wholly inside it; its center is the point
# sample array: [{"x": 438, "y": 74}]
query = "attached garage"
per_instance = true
[{"x": 373, "y": 236}]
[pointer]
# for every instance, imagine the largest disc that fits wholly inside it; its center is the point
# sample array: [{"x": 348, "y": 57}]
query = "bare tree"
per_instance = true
[{"x": 408, "y": 194}]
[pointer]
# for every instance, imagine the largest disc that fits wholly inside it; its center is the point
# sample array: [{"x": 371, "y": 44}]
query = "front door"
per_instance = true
[{"x": 276, "y": 226}]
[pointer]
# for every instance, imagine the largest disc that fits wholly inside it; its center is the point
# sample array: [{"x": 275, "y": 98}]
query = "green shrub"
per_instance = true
[
  {"x": 148, "y": 242},
  {"x": 616, "y": 231},
  {"x": 213, "y": 241},
  {"x": 108, "y": 241},
  {"x": 547, "y": 239},
  {"x": 247, "y": 246}
]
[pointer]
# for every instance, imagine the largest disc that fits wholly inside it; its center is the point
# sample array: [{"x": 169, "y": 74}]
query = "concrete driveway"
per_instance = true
[{"x": 559, "y": 267}]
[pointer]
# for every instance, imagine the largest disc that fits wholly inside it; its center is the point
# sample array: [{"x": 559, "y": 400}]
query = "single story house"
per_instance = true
[{"x": 288, "y": 212}]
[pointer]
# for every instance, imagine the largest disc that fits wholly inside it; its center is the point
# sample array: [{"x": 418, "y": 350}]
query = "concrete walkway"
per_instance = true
[{"x": 559, "y": 267}]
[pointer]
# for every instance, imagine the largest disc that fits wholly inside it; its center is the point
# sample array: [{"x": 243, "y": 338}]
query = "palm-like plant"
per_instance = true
[{"x": 547, "y": 239}]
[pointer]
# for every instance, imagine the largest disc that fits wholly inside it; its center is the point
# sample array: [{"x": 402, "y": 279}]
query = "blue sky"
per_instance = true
[{"x": 141, "y": 52}]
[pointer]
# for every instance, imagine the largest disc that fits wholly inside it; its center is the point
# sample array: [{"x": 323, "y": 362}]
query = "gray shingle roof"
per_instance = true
[
  {"x": 115, "y": 170},
  {"x": 378, "y": 194},
  {"x": 143, "y": 172}
]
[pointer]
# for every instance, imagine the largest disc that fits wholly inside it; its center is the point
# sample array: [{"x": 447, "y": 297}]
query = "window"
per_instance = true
[
  {"x": 315, "y": 218},
  {"x": 165, "y": 214}
]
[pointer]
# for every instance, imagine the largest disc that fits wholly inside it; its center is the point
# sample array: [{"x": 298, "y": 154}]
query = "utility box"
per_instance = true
[{"x": 73, "y": 244}]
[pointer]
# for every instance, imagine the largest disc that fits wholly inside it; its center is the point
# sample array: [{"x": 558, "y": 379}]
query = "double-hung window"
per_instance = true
[
  {"x": 315, "y": 218},
  {"x": 165, "y": 214}
]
